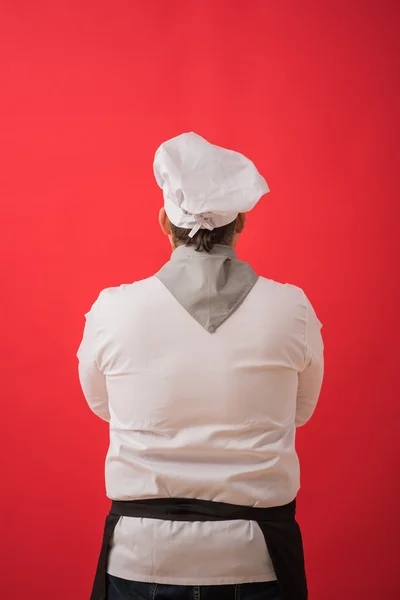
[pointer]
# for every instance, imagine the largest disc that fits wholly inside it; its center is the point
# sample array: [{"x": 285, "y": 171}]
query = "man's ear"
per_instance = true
[
  {"x": 241, "y": 222},
  {"x": 164, "y": 222}
]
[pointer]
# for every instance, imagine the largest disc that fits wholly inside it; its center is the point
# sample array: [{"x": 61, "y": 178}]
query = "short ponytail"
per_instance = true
[{"x": 204, "y": 240}]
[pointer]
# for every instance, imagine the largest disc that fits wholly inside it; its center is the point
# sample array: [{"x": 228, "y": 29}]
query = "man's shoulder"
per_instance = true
[
  {"x": 270, "y": 286},
  {"x": 124, "y": 291},
  {"x": 283, "y": 300}
]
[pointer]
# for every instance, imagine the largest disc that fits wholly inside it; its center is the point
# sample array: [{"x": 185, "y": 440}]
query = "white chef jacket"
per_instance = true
[{"x": 200, "y": 415}]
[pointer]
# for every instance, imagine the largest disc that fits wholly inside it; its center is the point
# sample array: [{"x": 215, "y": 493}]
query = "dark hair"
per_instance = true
[{"x": 204, "y": 240}]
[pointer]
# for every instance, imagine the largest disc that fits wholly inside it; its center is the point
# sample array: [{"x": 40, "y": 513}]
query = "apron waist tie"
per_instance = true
[{"x": 278, "y": 524}]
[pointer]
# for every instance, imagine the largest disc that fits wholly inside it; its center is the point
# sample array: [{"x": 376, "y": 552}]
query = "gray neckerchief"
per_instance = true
[{"x": 210, "y": 286}]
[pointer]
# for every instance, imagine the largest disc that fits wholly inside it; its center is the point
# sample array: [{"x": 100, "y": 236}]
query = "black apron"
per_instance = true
[{"x": 278, "y": 525}]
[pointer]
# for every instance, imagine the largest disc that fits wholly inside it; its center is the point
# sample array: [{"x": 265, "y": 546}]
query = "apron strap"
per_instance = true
[
  {"x": 99, "y": 591},
  {"x": 285, "y": 546}
]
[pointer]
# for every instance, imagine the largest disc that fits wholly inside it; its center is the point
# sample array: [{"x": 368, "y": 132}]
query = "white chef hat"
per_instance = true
[{"x": 205, "y": 186}]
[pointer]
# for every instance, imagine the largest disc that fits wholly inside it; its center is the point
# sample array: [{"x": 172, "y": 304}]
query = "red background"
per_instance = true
[{"x": 308, "y": 90}]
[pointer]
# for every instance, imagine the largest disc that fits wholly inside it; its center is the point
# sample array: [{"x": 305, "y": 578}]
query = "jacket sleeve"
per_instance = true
[
  {"x": 92, "y": 380},
  {"x": 310, "y": 379}
]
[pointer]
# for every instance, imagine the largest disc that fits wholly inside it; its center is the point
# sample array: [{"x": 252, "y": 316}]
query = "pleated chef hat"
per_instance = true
[{"x": 205, "y": 186}]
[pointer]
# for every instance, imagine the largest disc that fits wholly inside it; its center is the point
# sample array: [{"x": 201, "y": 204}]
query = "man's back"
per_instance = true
[
  {"x": 203, "y": 371},
  {"x": 206, "y": 416}
]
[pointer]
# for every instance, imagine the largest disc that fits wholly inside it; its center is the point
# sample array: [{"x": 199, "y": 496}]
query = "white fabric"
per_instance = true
[
  {"x": 200, "y": 416},
  {"x": 204, "y": 185}
]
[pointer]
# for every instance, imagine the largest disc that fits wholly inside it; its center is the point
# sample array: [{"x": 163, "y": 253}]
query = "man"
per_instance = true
[{"x": 203, "y": 371}]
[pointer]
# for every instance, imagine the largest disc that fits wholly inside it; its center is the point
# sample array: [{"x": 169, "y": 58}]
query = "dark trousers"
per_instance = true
[{"x": 120, "y": 589}]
